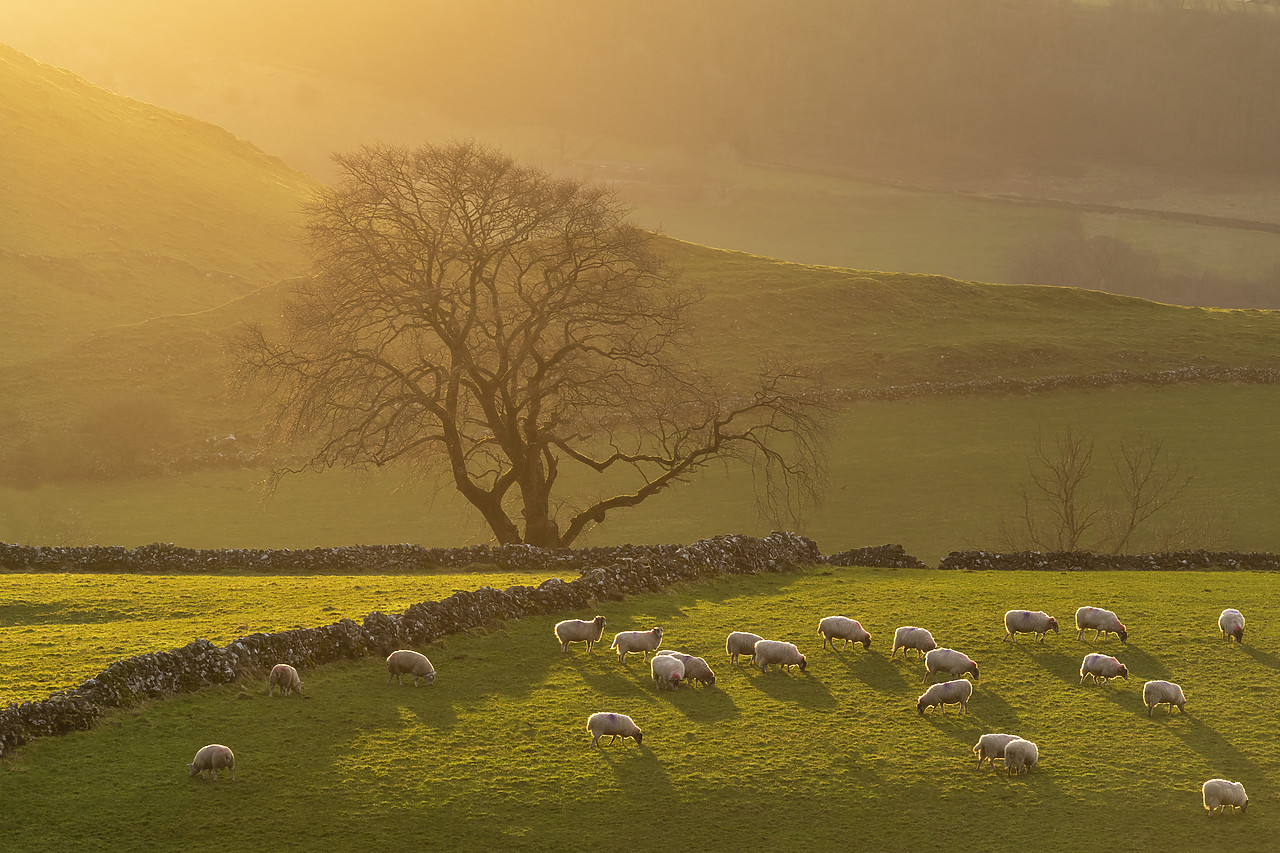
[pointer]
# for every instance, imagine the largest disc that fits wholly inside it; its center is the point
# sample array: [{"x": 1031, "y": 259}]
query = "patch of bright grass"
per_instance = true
[{"x": 495, "y": 755}]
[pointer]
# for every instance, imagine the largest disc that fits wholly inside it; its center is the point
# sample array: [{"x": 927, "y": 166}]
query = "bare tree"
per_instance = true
[
  {"x": 504, "y": 325},
  {"x": 1055, "y": 512},
  {"x": 1148, "y": 481}
]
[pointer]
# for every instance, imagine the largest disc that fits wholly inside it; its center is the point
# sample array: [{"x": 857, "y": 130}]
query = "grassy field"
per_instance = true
[
  {"x": 931, "y": 474},
  {"x": 494, "y": 755},
  {"x": 59, "y": 630}
]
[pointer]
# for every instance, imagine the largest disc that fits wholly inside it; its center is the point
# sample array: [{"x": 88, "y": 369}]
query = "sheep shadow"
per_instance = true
[
  {"x": 1061, "y": 665},
  {"x": 1215, "y": 749},
  {"x": 1264, "y": 658},
  {"x": 801, "y": 689},
  {"x": 704, "y": 704},
  {"x": 992, "y": 709},
  {"x": 1142, "y": 666},
  {"x": 873, "y": 670},
  {"x": 638, "y": 768},
  {"x": 615, "y": 682}
]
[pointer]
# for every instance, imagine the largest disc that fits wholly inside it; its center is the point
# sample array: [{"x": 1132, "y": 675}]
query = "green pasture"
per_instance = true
[
  {"x": 932, "y": 474},
  {"x": 495, "y": 755},
  {"x": 57, "y": 630}
]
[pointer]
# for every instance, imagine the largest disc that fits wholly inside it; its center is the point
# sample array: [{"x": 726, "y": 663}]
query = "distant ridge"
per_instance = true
[{"x": 115, "y": 210}]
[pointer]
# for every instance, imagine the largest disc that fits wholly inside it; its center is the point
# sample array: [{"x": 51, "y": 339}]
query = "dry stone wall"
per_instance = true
[
  {"x": 1087, "y": 561},
  {"x": 604, "y": 574}
]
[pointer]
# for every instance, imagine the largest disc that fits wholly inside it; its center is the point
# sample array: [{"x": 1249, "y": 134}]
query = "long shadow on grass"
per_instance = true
[
  {"x": 1142, "y": 666},
  {"x": 1216, "y": 749},
  {"x": 704, "y": 704},
  {"x": 799, "y": 688},
  {"x": 871, "y": 668},
  {"x": 616, "y": 680},
  {"x": 1265, "y": 658},
  {"x": 638, "y": 770}
]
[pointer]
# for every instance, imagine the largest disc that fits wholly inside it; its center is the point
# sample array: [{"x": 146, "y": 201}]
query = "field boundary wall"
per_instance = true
[{"x": 603, "y": 574}]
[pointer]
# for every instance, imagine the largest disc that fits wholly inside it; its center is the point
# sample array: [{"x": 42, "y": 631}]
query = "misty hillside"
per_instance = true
[
  {"x": 116, "y": 211},
  {"x": 923, "y": 85},
  {"x": 135, "y": 240}
]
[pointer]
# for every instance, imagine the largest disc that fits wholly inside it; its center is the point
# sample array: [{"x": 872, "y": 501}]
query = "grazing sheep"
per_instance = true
[
  {"x": 741, "y": 643},
  {"x": 1231, "y": 623},
  {"x": 213, "y": 757},
  {"x": 949, "y": 661},
  {"x": 946, "y": 693},
  {"x": 909, "y": 637},
  {"x": 614, "y": 725},
  {"x": 637, "y": 641},
  {"x": 776, "y": 651},
  {"x": 1100, "y": 622},
  {"x": 991, "y": 746},
  {"x": 667, "y": 671},
  {"x": 1019, "y": 754},
  {"x": 1163, "y": 693},
  {"x": 409, "y": 662},
  {"x": 1102, "y": 666},
  {"x": 1220, "y": 794},
  {"x": 695, "y": 668},
  {"x": 843, "y": 628},
  {"x": 579, "y": 631},
  {"x": 1028, "y": 622},
  {"x": 286, "y": 677}
]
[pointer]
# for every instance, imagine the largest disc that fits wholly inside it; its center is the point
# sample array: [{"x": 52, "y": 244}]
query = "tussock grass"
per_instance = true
[{"x": 495, "y": 754}]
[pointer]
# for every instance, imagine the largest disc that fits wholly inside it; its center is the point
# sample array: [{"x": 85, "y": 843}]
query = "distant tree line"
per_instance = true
[
  {"x": 838, "y": 83},
  {"x": 1072, "y": 258}
]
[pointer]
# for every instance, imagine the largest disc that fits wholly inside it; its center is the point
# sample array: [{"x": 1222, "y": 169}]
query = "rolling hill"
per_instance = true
[
  {"x": 117, "y": 211},
  {"x": 135, "y": 240}
]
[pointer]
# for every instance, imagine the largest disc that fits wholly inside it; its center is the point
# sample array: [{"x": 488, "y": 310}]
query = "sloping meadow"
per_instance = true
[{"x": 494, "y": 755}]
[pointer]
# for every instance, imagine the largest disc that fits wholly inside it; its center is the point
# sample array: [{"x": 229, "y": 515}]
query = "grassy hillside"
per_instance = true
[
  {"x": 494, "y": 755},
  {"x": 60, "y": 630},
  {"x": 117, "y": 211}
]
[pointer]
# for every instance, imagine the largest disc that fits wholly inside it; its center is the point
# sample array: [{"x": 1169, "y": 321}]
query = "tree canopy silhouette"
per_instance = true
[{"x": 501, "y": 325}]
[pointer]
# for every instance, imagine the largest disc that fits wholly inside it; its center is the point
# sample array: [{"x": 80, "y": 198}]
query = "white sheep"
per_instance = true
[
  {"x": 1231, "y": 624},
  {"x": 1020, "y": 754},
  {"x": 1220, "y": 794},
  {"x": 286, "y": 677},
  {"x": 614, "y": 725},
  {"x": 843, "y": 628},
  {"x": 949, "y": 661},
  {"x": 910, "y": 637},
  {"x": 409, "y": 662},
  {"x": 1102, "y": 666},
  {"x": 579, "y": 631},
  {"x": 777, "y": 651},
  {"x": 1100, "y": 622},
  {"x": 741, "y": 643},
  {"x": 1163, "y": 693},
  {"x": 667, "y": 671},
  {"x": 213, "y": 757},
  {"x": 946, "y": 693},
  {"x": 1028, "y": 622},
  {"x": 991, "y": 746},
  {"x": 637, "y": 641},
  {"x": 695, "y": 668}
]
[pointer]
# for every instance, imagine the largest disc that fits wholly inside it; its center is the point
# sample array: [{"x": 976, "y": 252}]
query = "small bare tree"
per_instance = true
[
  {"x": 1148, "y": 481},
  {"x": 1058, "y": 510},
  {"x": 1055, "y": 512},
  {"x": 503, "y": 325}
]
